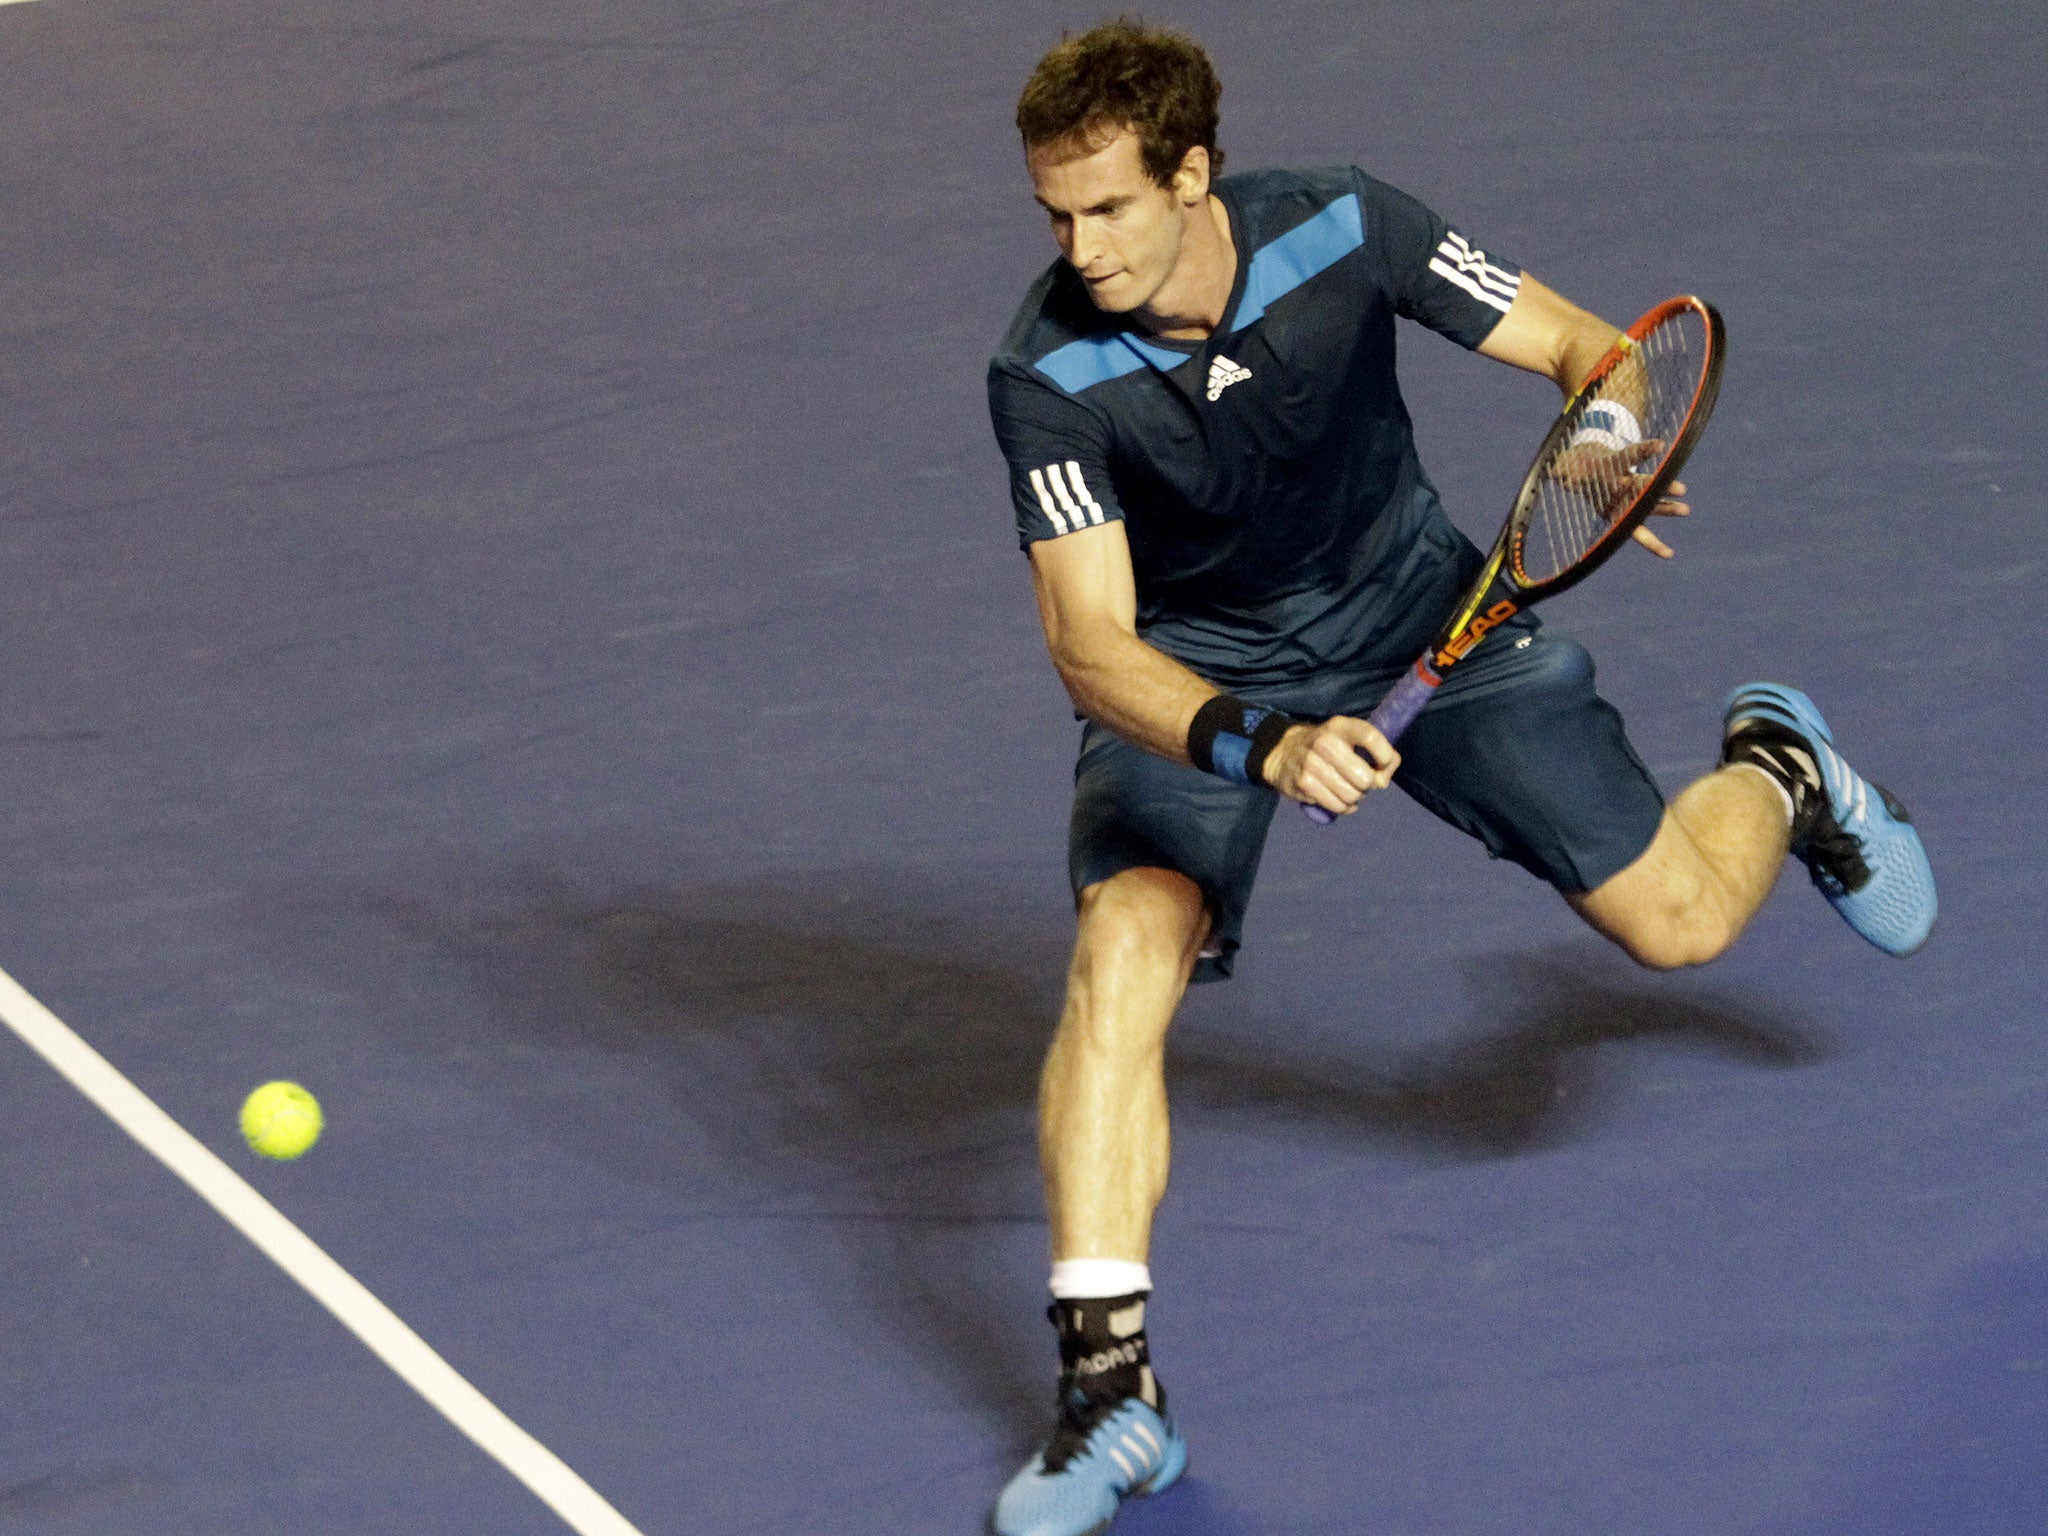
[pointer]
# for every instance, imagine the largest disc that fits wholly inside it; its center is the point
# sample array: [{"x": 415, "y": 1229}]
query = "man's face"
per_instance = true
[{"x": 1117, "y": 227}]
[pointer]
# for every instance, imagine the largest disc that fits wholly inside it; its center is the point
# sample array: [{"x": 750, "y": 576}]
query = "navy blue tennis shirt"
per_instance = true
[{"x": 1279, "y": 520}]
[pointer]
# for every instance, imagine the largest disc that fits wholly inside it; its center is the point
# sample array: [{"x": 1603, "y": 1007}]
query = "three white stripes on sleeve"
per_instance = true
[
  {"x": 1064, "y": 497},
  {"x": 1456, "y": 262}
]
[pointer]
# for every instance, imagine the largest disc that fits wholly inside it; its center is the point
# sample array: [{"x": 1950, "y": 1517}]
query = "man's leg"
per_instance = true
[
  {"x": 1782, "y": 788},
  {"x": 1104, "y": 1146},
  {"x": 1103, "y": 1140},
  {"x": 1521, "y": 752},
  {"x": 1162, "y": 859},
  {"x": 1703, "y": 877}
]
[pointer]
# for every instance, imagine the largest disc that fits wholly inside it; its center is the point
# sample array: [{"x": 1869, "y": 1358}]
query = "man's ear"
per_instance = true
[{"x": 1191, "y": 182}]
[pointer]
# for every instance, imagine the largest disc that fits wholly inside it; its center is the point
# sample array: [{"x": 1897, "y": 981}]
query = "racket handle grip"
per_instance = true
[
  {"x": 1396, "y": 713},
  {"x": 1404, "y": 700}
]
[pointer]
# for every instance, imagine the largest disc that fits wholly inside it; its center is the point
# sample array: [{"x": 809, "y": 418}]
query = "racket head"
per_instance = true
[{"x": 1577, "y": 505}]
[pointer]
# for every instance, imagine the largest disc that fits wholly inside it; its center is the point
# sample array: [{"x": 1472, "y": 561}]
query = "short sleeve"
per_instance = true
[
  {"x": 1435, "y": 274},
  {"x": 1058, "y": 451}
]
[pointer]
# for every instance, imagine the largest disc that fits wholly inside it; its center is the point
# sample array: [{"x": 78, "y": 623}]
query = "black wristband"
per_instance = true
[{"x": 1231, "y": 738}]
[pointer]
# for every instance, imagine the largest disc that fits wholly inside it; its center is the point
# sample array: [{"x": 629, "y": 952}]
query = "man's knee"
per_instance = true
[
  {"x": 1138, "y": 936},
  {"x": 1138, "y": 913},
  {"x": 1662, "y": 911},
  {"x": 1671, "y": 945}
]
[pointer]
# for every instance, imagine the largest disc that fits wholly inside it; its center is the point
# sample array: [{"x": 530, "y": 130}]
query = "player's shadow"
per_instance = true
[
  {"x": 853, "y": 1053},
  {"x": 1530, "y": 1078},
  {"x": 858, "y": 1050}
]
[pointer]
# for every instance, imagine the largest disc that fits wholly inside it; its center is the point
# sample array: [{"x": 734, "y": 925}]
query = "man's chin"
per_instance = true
[{"x": 1112, "y": 297}]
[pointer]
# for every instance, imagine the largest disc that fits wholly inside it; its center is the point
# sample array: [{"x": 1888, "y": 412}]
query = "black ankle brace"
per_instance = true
[{"x": 1103, "y": 1360}]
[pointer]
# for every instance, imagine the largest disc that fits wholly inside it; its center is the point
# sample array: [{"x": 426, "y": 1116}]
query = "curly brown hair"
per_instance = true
[{"x": 1123, "y": 75}]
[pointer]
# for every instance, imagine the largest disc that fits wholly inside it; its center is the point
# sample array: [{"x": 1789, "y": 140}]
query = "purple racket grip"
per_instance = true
[{"x": 1396, "y": 713}]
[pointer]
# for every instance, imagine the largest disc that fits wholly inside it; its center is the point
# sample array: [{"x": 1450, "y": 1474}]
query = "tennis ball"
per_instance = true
[{"x": 281, "y": 1120}]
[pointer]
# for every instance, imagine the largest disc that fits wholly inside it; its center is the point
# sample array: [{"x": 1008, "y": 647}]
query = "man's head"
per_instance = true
[
  {"x": 1119, "y": 128},
  {"x": 1124, "y": 77}
]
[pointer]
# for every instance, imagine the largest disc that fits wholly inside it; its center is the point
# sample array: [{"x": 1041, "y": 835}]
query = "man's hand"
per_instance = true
[
  {"x": 1548, "y": 334},
  {"x": 1333, "y": 765},
  {"x": 1608, "y": 477},
  {"x": 1668, "y": 505}
]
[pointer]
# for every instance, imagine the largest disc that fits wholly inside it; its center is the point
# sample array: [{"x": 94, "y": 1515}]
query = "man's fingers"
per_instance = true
[
  {"x": 1333, "y": 765},
  {"x": 1341, "y": 762},
  {"x": 1320, "y": 779},
  {"x": 1334, "y": 769},
  {"x": 1364, "y": 757},
  {"x": 1329, "y": 790},
  {"x": 1592, "y": 470}
]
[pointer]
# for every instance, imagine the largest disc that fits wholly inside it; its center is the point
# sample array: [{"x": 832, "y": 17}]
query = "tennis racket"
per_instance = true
[{"x": 1591, "y": 485}]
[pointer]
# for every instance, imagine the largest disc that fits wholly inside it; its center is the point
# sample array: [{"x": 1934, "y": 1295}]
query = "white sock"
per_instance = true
[
  {"x": 1092, "y": 1279},
  {"x": 1791, "y": 811}
]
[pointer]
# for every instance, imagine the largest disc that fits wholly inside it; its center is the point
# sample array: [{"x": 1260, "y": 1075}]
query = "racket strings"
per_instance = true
[{"x": 1586, "y": 488}]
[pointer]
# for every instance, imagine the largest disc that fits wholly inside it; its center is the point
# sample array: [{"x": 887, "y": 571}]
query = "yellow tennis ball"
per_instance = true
[{"x": 281, "y": 1120}]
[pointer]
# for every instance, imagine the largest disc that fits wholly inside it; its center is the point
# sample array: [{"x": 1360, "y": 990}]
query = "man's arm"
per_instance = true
[
  {"x": 1088, "y": 602},
  {"x": 1546, "y": 333}
]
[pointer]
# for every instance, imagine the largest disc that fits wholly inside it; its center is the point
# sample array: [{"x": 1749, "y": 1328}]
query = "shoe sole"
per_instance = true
[
  {"x": 1169, "y": 1472},
  {"x": 1173, "y": 1463},
  {"x": 1158, "y": 1482}
]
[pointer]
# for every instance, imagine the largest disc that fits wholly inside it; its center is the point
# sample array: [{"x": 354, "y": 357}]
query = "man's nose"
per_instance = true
[{"x": 1084, "y": 244}]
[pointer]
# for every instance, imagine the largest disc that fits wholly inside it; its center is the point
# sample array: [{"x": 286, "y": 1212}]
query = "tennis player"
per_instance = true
[{"x": 1236, "y": 552}]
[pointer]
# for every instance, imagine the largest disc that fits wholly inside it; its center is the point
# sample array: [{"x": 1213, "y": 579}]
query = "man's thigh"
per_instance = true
[
  {"x": 1520, "y": 751},
  {"x": 1133, "y": 810}
]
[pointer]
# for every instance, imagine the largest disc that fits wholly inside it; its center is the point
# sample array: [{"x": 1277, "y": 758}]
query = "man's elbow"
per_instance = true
[
  {"x": 1075, "y": 675},
  {"x": 1082, "y": 668}
]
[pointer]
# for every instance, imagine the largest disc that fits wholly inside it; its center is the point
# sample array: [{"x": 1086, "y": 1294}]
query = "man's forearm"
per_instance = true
[
  {"x": 1588, "y": 347},
  {"x": 1148, "y": 698},
  {"x": 1139, "y": 692},
  {"x": 1548, "y": 334}
]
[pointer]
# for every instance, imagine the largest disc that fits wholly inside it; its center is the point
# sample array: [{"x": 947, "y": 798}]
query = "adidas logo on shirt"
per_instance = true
[{"x": 1222, "y": 374}]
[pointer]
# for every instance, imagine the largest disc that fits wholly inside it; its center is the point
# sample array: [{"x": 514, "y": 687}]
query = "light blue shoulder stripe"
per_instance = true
[
  {"x": 1096, "y": 360},
  {"x": 1276, "y": 270},
  {"x": 1280, "y": 268}
]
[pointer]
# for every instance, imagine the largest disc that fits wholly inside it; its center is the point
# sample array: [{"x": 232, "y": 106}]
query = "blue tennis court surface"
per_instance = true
[{"x": 512, "y": 621}]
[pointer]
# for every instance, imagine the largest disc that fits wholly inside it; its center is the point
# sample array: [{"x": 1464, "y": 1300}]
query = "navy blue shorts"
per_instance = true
[{"x": 1516, "y": 749}]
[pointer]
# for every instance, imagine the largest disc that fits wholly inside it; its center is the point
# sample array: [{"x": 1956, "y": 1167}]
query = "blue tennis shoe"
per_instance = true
[
  {"x": 1854, "y": 837},
  {"x": 1100, "y": 1455}
]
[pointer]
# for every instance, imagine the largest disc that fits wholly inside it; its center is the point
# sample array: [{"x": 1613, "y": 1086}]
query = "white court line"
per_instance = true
[{"x": 298, "y": 1256}]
